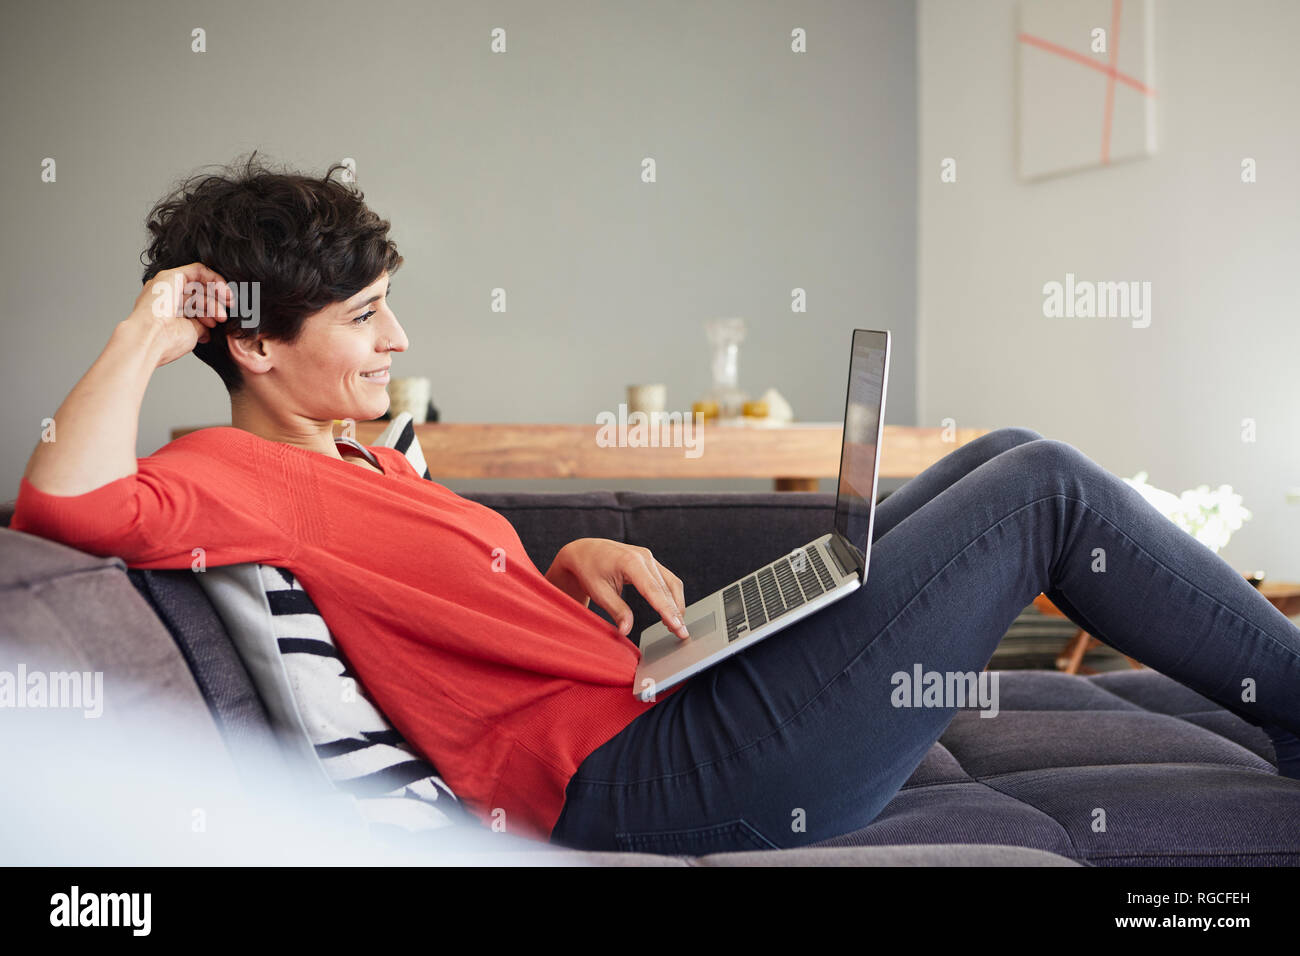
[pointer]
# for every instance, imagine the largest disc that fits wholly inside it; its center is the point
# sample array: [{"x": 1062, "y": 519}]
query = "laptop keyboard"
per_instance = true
[{"x": 772, "y": 591}]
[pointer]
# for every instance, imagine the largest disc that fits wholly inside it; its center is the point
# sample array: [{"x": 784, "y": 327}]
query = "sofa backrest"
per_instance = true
[
  {"x": 706, "y": 539},
  {"x": 62, "y": 610}
]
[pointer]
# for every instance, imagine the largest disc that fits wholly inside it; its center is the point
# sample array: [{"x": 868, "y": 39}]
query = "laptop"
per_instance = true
[{"x": 807, "y": 579}]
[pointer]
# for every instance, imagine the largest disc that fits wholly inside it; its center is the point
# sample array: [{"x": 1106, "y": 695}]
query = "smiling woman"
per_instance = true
[
  {"x": 318, "y": 347},
  {"x": 498, "y": 676}
]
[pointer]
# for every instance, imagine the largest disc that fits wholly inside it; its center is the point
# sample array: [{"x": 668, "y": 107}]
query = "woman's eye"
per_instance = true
[{"x": 362, "y": 318}]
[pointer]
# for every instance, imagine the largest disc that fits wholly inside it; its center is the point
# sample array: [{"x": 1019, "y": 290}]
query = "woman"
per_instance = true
[{"x": 500, "y": 674}]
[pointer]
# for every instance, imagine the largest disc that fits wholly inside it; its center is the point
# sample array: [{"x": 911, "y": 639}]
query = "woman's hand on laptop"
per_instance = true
[{"x": 598, "y": 568}]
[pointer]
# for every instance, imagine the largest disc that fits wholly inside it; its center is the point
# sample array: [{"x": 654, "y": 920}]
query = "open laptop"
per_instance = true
[{"x": 809, "y": 578}]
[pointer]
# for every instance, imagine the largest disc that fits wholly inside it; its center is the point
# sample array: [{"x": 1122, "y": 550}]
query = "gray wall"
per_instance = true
[
  {"x": 1221, "y": 257},
  {"x": 518, "y": 170}
]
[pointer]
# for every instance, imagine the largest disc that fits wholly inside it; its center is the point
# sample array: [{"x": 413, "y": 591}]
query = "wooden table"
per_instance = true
[
  {"x": 1283, "y": 595},
  {"x": 795, "y": 456}
]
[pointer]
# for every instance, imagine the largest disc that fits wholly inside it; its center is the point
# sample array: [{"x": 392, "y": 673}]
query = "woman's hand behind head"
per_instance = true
[{"x": 182, "y": 304}]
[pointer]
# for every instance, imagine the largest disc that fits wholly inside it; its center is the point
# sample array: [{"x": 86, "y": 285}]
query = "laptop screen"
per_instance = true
[{"x": 863, "y": 426}]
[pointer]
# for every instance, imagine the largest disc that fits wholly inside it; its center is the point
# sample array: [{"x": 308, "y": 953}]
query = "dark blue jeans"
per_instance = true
[{"x": 799, "y": 738}]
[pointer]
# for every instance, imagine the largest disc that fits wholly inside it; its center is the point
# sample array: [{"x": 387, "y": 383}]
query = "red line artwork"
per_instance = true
[{"x": 1112, "y": 73}]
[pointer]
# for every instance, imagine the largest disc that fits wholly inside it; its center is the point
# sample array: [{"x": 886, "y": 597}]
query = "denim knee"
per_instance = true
[
  {"x": 1013, "y": 435},
  {"x": 1009, "y": 437},
  {"x": 1051, "y": 458}
]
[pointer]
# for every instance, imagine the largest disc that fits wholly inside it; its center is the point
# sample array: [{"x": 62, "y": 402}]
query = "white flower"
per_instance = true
[
  {"x": 1208, "y": 516},
  {"x": 1162, "y": 501}
]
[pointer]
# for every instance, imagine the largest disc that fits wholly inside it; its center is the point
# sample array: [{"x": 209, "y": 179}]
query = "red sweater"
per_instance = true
[{"x": 489, "y": 670}]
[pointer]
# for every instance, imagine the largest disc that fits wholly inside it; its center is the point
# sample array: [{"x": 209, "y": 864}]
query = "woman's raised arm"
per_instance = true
[{"x": 96, "y": 426}]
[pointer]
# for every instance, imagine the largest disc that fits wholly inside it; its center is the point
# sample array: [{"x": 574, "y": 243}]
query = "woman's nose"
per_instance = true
[{"x": 397, "y": 340}]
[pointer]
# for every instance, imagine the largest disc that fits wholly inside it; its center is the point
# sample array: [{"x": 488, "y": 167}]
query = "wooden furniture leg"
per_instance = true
[{"x": 1070, "y": 659}]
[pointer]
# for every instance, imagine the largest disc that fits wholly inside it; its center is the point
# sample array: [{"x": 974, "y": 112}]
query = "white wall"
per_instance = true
[
  {"x": 1222, "y": 258},
  {"x": 518, "y": 170}
]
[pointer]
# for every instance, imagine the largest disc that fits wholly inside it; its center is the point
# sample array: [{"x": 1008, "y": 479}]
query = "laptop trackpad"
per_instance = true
[
  {"x": 703, "y": 626},
  {"x": 663, "y": 646}
]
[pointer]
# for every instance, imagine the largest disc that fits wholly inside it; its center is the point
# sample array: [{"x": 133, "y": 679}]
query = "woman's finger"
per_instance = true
[
  {"x": 662, "y": 575},
  {"x": 642, "y": 569},
  {"x": 216, "y": 291},
  {"x": 198, "y": 272},
  {"x": 215, "y": 308},
  {"x": 604, "y": 594},
  {"x": 674, "y": 585},
  {"x": 167, "y": 291}
]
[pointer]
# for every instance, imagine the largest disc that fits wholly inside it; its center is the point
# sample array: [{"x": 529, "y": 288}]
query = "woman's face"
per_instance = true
[{"x": 321, "y": 375}]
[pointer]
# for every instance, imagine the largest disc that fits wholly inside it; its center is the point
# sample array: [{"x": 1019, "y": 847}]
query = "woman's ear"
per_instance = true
[{"x": 249, "y": 353}]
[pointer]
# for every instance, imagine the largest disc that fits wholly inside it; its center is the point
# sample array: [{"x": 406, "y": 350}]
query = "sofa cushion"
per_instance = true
[
  {"x": 183, "y": 608},
  {"x": 936, "y": 854},
  {"x": 325, "y": 720},
  {"x": 1121, "y": 768},
  {"x": 64, "y": 610}
]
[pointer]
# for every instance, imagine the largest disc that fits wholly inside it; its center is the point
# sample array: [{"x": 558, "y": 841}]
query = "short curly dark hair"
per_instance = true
[{"x": 308, "y": 243}]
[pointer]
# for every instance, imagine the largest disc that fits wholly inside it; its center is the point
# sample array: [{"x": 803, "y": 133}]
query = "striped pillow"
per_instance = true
[
  {"x": 400, "y": 434},
  {"x": 324, "y": 719},
  {"x": 323, "y": 716}
]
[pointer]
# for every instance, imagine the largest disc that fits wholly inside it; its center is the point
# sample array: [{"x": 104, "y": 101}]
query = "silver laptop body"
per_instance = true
[{"x": 807, "y": 579}]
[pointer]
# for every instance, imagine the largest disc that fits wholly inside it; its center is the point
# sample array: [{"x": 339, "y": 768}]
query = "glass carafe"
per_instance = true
[{"x": 725, "y": 336}]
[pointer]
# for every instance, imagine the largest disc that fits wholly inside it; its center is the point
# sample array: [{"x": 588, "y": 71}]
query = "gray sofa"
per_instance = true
[{"x": 1182, "y": 781}]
